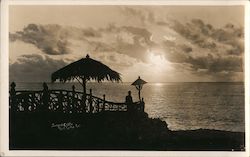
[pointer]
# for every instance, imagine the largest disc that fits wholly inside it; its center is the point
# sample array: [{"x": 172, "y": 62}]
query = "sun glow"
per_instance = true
[
  {"x": 158, "y": 84},
  {"x": 157, "y": 62}
]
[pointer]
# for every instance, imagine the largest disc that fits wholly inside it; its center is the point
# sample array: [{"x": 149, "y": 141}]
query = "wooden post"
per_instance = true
[
  {"x": 84, "y": 85},
  {"x": 13, "y": 103},
  {"x": 45, "y": 97},
  {"x": 13, "y": 106},
  {"x": 73, "y": 101},
  {"x": 84, "y": 97},
  {"x": 103, "y": 105},
  {"x": 60, "y": 101},
  {"x": 139, "y": 87},
  {"x": 139, "y": 92},
  {"x": 90, "y": 101},
  {"x": 33, "y": 100}
]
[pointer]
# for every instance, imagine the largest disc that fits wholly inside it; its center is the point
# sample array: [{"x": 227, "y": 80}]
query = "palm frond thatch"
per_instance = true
[{"x": 86, "y": 68}]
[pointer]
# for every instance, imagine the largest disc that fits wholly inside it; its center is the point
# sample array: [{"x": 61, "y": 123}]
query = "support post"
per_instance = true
[
  {"x": 139, "y": 92},
  {"x": 60, "y": 101},
  {"x": 84, "y": 94},
  {"x": 45, "y": 104},
  {"x": 73, "y": 101},
  {"x": 84, "y": 85},
  {"x": 90, "y": 101},
  {"x": 13, "y": 104},
  {"x": 103, "y": 105}
]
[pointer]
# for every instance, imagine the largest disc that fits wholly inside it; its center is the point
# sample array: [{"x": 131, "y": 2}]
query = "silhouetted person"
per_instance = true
[{"x": 129, "y": 101}]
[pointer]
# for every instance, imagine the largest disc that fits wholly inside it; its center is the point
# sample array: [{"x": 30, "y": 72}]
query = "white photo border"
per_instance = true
[{"x": 4, "y": 81}]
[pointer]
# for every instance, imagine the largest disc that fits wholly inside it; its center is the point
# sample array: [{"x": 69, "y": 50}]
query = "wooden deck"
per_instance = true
[{"x": 65, "y": 101}]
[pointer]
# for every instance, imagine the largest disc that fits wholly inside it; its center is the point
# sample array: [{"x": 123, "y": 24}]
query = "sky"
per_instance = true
[{"x": 159, "y": 43}]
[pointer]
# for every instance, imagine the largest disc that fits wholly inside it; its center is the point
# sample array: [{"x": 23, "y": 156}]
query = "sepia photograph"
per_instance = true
[{"x": 126, "y": 77}]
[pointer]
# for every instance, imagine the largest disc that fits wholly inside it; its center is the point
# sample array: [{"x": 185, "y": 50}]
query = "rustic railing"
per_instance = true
[{"x": 64, "y": 101}]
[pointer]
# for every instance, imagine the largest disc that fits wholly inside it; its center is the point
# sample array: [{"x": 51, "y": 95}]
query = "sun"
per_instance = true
[{"x": 157, "y": 61}]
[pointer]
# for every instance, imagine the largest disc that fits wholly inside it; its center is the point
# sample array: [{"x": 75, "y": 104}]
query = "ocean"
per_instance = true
[{"x": 184, "y": 106}]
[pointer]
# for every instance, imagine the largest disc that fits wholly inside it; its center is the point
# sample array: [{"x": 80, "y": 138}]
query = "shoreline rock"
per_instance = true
[{"x": 114, "y": 131}]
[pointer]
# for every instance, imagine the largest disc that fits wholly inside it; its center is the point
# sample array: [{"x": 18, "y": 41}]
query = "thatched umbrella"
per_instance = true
[
  {"x": 84, "y": 70},
  {"x": 138, "y": 84}
]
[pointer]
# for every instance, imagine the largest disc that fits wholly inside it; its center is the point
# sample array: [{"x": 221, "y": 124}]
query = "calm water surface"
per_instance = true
[{"x": 184, "y": 106}]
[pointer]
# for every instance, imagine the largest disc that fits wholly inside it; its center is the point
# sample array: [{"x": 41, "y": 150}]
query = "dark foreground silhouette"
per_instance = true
[{"x": 112, "y": 131}]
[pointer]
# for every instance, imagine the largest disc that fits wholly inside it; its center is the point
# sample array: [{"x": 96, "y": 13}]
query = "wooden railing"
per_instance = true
[{"x": 64, "y": 101}]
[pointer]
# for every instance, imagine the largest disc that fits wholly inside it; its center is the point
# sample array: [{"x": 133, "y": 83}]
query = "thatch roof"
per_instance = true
[{"x": 88, "y": 69}]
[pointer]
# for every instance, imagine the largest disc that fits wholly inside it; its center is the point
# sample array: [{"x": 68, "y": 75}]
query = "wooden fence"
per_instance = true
[{"x": 65, "y": 101}]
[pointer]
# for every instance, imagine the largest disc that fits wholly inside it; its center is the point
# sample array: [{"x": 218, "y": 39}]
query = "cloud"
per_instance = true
[
  {"x": 143, "y": 15},
  {"x": 208, "y": 63},
  {"x": 34, "y": 68},
  {"x": 216, "y": 64},
  {"x": 186, "y": 48},
  {"x": 175, "y": 52},
  {"x": 127, "y": 40},
  {"x": 228, "y": 39},
  {"x": 203, "y": 47},
  {"x": 223, "y": 76},
  {"x": 216, "y": 53},
  {"x": 119, "y": 47},
  {"x": 139, "y": 33},
  {"x": 200, "y": 48},
  {"x": 38, "y": 68},
  {"x": 47, "y": 38},
  {"x": 135, "y": 50},
  {"x": 52, "y": 39},
  {"x": 211, "y": 62},
  {"x": 116, "y": 61},
  {"x": 98, "y": 46},
  {"x": 134, "y": 43}
]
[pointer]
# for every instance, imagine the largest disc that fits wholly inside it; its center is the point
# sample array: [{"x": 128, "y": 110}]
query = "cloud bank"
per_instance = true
[
  {"x": 34, "y": 68},
  {"x": 195, "y": 46}
]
